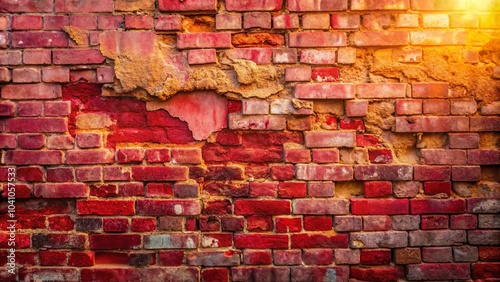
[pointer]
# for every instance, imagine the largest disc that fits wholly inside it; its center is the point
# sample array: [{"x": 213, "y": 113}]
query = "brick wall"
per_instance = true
[{"x": 257, "y": 140}]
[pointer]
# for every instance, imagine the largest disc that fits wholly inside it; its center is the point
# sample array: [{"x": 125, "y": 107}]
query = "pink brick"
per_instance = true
[
  {"x": 7, "y": 141},
  {"x": 463, "y": 140},
  {"x": 204, "y": 40},
  {"x": 380, "y": 38},
  {"x": 257, "y": 55},
  {"x": 105, "y": 74},
  {"x": 463, "y": 221},
  {"x": 436, "y": 173},
  {"x": 57, "y": 108},
  {"x": 380, "y": 5},
  {"x": 317, "y": 57},
  {"x": 317, "y": 39},
  {"x": 437, "y": 206},
  {"x": 443, "y": 156},
  {"x": 356, "y": 108},
  {"x": 255, "y": 107},
  {"x": 204, "y": 56},
  {"x": 116, "y": 173},
  {"x": 202, "y": 5},
  {"x": 325, "y": 91},
  {"x": 256, "y": 122},
  {"x": 408, "y": 107},
  {"x": 37, "y": 57},
  {"x": 432, "y": 124},
  {"x": 485, "y": 124},
  {"x": 62, "y": 190},
  {"x": 158, "y": 155},
  {"x": 436, "y": 107},
  {"x": 129, "y": 155},
  {"x": 85, "y": 22},
  {"x": 324, "y": 172},
  {"x": 89, "y": 76},
  {"x": 382, "y": 90},
  {"x": 257, "y": 20},
  {"x": 88, "y": 174},
  {"x": 329, "y": 139},
  {"x": 29, "y": 109},
  {"x": 301, "y": 73},
  {"x": 26, "y": 22},
  {"x": 466, "y": 173},
  {"x": 89, "y": 140},
  {"x": 376, "y": 21},
  {"x": 168, "y": 22},
  {"x": 39, "y": 39},
  {"x": 55, "y": 74},
  {"x": 60, "y": 142},
  {"x": 286, "y": 21},
  {"x": 285, "y": 56},
  {"x": 483, "y": 157},
  {"x": 345, "y": 21},
  {"x": 55, "y": 22},
  {"x": 186, "y": 155},
  {"x": 45, "y": 157},
  {"x": 259, "y": 189},
  {"x": 438, "y": 37},
  {"x": 10, "y": 58},
  {"x": 287, "y": 257},
  {"x": 254, "y": 5},
  {"x": 376, "y": 223},
  {"x": 89, "y": 6},
  {"x": 26, "y": 75},
  {"x": 325, "y": 155},
  {"x": 298, "y": 155},
  {"x": 383, "y": 172},
  {"x": 138, "y": 22},
  {"x": 36, "y": 125},
  {"x": 109, "y": 22},
  {"x": 316, "y": 6},
  {"x": 89, "y": 157},
  {"x": 30, "y": 141},
  {"x": 77, "y": 56},
  {"x": 321, "y": 189}
]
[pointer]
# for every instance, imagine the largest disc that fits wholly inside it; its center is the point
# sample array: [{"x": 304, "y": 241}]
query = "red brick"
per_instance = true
[
  {"x": 36, "y": 57},
  {"x": 316, "y": 21},
  {"x": 53, "y": 258},
  {"x": 51, "y": 22},
  {"x": 26, "y": 22},
  {"x": 39, "y": 39},
  {"x": 282, "y": 172},
  {"x": 383, "y": 172},
  {"x": 429, "y": 90},
  {"x": 186, "y": 156},
  {"x": 287, "y": 257},
  {"x": 157, "y": 173},
  {"x": 201, "y": 5},
  {"x": 463, "y": 221},
  {"x": 487, "y": 253},
  {"x": 257, "y": 55},
  {"x": 325, "y": 155},
  {"x": 170, "y": 258},
  {"x": 324, "y": 172},
  {"x": 438, "y": 37},
  {"x": 432, "y": 124},
  {"x": 168, "y": 22},
  {"x": 10, "y": 58},
  {"x": 318, "y": 257},
  {"x": 129, "y": 155},
  {"x": 61, "y": 174},
  {"x": 261, "y": 207},
  {"x": 377, "y": 5},
  {"x": 436, "y": 107},
  {"x": 320, "y": 206},
  {"x": 463, "y": 140},
  {"x": 80, "y": 259},
  {"x": 382, "y": 90},
  {"x": 109, "y": 21},
  {"x": 5, "y": 75},
  {"x": 205, "y": 56},
  {"x": 380, "y": 156},
  {"x": 257, "y": 20},
  {"x": 298, "y": 155},
  {"x": 105, "y": 207},
  {"x": 317, "y": 39},
  {"x": 444, "y": 156},
  {"x": 345, "y": 21},
  {"x": 112, "y": 242},
  {"x": 379, "y": 207},
  {"x": 292, "y": 189},
  {"x": 77, "y": 56},
  {"x": 91, "y": 6},
  {"x": 485, "y": 124},
  {"x": 168, "y": 207},
  {"x": 227, "y": 21},
  {"x": 380, "y": 38},
  {"x": 26, "y": 6},
  {"x": 483, "y": 157},
  {"x": 484, "y": 270},
  {"x": 375, "y": 257},
  {"x": 376, "y": 21},
  {"x": 222, "y": 172},
  {"x": 321, "y": 189},
  {"x": 356, "y": 108},
  {"x": 436, "y": 173},
  {"x": 466, "y": 173},
  {"x": 89, "y": 157},
  {"x": 286, "y": 21},
  {"x": 433, "y": 188},
  {"x": 7, "y": 109},
  {"x": 325, "y": 74},
  {"x": 204, "y": 40},
  {"x": 329, "y": 139},
  {"x": 139, "y": 22},
  {"x": 378, "y": 189},
  {"x": 318, "y": 223},
  {"x": 313, "y": 6},
  {"x": 63, "y": 190},
  {"x": 438, "y": 271},
  {"x": 31, "y": 91},
  {"x": 45, "y": 157},
  {"x": 319, "y": 241},
  {"x": 115, "y": 225},
  {"x": 434, "y": 222},
  {"x": 437, "y": 206},
  {"x": 7, "y": 141},
  {"x": 260, "y": 241},
  {"x": 86, "y": 22},
  {"x": 379, "y": 273},
  {"x": 254, "y": 5},
  {"x": 30, "y": 173},
  {"x": 215, "y": 274}
]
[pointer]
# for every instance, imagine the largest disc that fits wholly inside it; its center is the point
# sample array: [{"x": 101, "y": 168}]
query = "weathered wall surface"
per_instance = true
[{"x": 251, "y": 140}]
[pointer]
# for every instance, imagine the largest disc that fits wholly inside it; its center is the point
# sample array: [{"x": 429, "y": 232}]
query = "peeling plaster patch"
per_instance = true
[
  {"x": 204, "y": 111},
  {"x": 149, "y": 62},
  {"x": 76, "y": 34},
  {"x": 178, "y": 209},
  {"x": 209, "y": 242}
]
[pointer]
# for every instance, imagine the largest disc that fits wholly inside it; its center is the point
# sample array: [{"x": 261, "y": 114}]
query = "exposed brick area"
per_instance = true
[{"x": 250, "y": 140}]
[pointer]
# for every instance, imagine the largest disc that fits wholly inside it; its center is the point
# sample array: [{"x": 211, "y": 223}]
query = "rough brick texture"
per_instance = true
[{"x": 250, "y": 140}]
